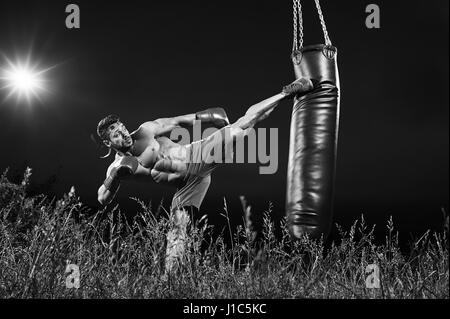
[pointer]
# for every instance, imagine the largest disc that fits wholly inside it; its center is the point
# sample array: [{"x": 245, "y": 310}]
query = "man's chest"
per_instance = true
[{"x": 146, "y": 152}]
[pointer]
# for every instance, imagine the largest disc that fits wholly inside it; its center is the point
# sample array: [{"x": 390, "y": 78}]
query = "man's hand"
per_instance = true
[
  {"x": 215, "y": 116},
  {"x": 127, "y": 166}
]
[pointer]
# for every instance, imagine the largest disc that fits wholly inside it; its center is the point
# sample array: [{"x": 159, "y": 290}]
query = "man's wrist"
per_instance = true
[
  {"x": 111, "y": 182},
  {"x": 284, "y": 94}
]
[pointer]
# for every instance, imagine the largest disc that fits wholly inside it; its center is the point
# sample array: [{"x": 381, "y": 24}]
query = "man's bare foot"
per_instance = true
[{"x": 299, "y": 86}]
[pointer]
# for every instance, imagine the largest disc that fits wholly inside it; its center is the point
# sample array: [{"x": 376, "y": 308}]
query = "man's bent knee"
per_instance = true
[{"x": 246, "y": 121}]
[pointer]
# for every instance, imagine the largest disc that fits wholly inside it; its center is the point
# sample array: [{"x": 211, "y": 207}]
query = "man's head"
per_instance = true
[{"x": 114, "y": 134}]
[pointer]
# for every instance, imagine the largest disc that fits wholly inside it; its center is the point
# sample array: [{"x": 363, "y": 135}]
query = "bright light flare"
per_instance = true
[{"x": 24, "y": 81}]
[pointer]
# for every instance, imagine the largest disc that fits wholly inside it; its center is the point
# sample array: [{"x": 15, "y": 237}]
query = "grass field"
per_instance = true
[{"x": 39, "y": 237}]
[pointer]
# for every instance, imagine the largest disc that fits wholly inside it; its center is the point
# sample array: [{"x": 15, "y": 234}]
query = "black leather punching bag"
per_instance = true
[{"x": 313, "y": 143}]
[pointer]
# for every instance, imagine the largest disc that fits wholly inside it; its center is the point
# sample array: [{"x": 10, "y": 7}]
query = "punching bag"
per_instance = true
[{"x": 313, "y": 143}]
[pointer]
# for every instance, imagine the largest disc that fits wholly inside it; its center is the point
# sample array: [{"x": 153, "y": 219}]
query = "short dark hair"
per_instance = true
[{"x": 103, "y": 125}]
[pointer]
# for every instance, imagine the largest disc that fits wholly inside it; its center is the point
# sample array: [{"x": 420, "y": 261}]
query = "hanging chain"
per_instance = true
[
  {"x": 322, "y": 22},
  {"x": 298, "y": 26},
  {"x": 294, "y": 10},
  {"x": 300, "y": 17}
]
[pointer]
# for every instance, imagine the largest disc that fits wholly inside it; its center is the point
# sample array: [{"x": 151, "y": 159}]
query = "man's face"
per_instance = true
[{"x": 119, "y": 137}]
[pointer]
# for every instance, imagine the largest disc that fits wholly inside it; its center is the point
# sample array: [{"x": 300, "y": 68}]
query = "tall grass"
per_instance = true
[{"x": 120, "y": 258}]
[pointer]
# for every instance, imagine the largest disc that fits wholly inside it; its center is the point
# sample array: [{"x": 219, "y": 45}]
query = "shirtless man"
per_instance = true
[{"x": 147, "y": 155}]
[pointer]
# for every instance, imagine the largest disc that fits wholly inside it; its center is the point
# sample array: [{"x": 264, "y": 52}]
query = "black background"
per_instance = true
[{"x": 145, "y": 60}]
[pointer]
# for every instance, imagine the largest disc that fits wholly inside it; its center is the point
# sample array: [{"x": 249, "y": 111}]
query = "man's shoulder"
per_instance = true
[{"x": 147, "y": 128}]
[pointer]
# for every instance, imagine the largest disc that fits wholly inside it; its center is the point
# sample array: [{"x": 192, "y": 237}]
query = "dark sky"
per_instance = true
[{"x": 144, "y": 60}]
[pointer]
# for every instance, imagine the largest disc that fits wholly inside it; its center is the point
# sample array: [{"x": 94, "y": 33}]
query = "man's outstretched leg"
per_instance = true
[
  {"x": 222, "y": 140},
  {"x": 177, "y": 236},
  {"x": 261, "y": 110}
]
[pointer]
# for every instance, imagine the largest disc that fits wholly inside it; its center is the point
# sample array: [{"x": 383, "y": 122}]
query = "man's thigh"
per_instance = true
[
  {"x": 192, "y": 193},
  {"x": 217, "y": 148}
]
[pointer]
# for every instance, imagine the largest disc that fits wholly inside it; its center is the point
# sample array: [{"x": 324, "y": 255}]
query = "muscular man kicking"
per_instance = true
[{"x": 147, "y": 155}]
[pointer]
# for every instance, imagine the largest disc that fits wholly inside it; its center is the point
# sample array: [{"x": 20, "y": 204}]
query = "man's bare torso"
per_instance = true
[{"x": 160, "y": 159}]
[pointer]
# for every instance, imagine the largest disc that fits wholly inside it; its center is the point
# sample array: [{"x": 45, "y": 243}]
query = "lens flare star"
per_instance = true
[{"x": 24, "y": 80}]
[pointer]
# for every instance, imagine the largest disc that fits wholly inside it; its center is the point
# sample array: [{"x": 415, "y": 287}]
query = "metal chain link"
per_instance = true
[
  {"x": 294, "y": 10},
  {"x": 298, "y": 26},
  {"x": 322, "y": 22},
  {"x": 300, "y": 16}
]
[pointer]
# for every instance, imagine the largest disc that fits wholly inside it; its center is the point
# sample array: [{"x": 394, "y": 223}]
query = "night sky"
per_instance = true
[{"x": 145, "y": 60}]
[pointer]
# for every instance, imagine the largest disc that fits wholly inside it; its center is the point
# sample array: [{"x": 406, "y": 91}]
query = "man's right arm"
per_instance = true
[
  {"x": 105, "y": 196},
  {"x": 127, "y": 167},
  {"x": 108, "y": 189}
]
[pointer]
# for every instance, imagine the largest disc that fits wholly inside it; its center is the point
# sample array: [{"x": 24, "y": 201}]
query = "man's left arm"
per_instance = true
[
  {"x": 165, "y": 125},
  {"x": 214, "y": 116}
]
